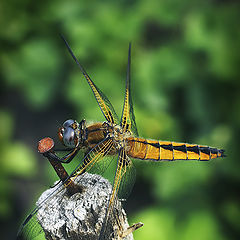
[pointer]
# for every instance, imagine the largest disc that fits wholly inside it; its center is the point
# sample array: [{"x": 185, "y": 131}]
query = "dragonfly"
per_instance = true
[{"x": 118, "y": 138}]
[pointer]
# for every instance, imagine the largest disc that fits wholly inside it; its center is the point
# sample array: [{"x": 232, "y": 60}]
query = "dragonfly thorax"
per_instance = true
[{"x": 118, "y": 135}]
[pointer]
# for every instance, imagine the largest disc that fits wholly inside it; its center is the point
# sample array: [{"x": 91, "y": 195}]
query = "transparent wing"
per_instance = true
[
  {"x": 32, "y": 230},
  {"x": 30, "y": 227},
  {"x": 124, "y": 172},
  {"x": 127, "y": 181},
  {"x": 103, "y": 102},
  {"x": 128, "y": 118},
  {"x": 93, "y": 158}
]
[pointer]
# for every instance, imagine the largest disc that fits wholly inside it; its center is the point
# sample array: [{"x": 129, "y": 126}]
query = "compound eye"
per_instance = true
[
  {"x": 69, "y": 137},
  {"x": 68, "y": 123}
]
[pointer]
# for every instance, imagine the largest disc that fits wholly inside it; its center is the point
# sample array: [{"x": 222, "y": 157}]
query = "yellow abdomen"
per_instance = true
[{"x": 162, "y": 150}]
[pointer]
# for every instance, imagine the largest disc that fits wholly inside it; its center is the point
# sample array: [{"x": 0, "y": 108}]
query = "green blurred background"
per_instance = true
[{"x": 185, "y": 81}]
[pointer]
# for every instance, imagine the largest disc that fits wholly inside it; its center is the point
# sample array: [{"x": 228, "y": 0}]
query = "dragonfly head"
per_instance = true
[{"x": 69, "y": 133}]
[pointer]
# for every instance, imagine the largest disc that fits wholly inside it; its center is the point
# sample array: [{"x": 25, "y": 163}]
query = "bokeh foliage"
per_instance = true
[{"x": 186, "y": 88}]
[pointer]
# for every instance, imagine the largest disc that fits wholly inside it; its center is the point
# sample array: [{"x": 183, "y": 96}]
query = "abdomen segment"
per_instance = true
[{"x": 162, "y": 150}]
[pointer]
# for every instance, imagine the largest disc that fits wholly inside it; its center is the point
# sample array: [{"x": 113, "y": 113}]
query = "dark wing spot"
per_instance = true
[
  {"x": 111, "y": 116},
  {"x": 124, "y": 121}
]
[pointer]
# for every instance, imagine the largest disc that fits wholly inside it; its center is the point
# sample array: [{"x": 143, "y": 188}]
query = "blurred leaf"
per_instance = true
[
  {"x": 231, "y": 211},
  {"x": 201, "y": 225},
  {"x": 6, "y": 126},
  {"x": 158, "y": 224},
  {"x": 5, "y": 191},
  {"x": 33, "y": 69},
  {"x": 18, "y": 160},
  {"x": 176, "y": 178},
  {"x": 216, "y": 33}
]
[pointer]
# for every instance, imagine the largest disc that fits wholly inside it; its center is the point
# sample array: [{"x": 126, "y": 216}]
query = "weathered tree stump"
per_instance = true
[{"x": 81, "y": 215}]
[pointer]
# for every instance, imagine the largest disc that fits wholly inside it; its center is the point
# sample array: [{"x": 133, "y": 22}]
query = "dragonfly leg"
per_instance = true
[
  {"x": 55, "y": 161},
  {"x": 85, "y": 162},
  {"x": 65, "y": 159}
]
